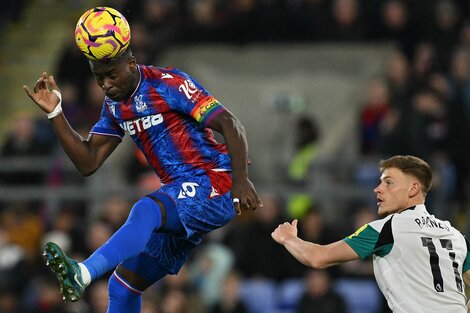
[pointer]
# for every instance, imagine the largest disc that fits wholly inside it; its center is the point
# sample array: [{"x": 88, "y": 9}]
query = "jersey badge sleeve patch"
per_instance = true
[{"x": 363, "y": 241}]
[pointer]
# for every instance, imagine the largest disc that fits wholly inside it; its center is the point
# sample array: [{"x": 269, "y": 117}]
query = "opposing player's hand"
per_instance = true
[
  {"x": 42, "y": 93},
  {"x": 244, "y": 195},
  {"x": 285, "y": 231}
]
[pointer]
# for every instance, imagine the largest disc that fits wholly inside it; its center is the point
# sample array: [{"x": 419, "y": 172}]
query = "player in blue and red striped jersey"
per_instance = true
[{"x": 205, "y": 183}]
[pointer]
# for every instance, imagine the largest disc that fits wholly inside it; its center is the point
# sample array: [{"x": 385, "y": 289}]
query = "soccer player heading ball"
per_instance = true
[{"x": 170, "y": 117}]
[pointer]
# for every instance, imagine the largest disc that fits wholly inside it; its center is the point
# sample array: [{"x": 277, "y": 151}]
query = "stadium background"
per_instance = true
[{"x": 325, "y": 89}]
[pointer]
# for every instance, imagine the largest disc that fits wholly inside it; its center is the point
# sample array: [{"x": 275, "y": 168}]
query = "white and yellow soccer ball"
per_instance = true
[{"x": 102, "y": 33}]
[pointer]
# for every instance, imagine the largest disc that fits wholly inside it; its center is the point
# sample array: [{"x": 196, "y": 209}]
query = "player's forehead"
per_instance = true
[
  {"x": 104, "y": 68},
  {"x": 392, "y": 173}
]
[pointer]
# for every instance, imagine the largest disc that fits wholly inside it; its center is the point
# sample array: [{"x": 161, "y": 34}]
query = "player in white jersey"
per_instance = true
[{"x": 420, "y": 262}]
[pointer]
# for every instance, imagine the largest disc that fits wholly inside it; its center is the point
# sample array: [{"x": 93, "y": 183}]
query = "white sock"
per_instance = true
[{"x": 86, "y": 277}]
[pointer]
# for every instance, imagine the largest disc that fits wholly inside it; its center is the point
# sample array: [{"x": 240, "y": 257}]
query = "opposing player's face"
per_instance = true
[
  {"x": 393, "y": 192},
  {"x": 118, "y": 80}
]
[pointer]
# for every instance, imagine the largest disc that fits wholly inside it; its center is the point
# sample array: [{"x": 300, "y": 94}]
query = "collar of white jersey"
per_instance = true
[{"x": 416, "y": 208}]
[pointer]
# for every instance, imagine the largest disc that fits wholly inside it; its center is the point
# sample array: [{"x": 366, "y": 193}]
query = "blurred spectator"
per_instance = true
[
  {"x": 445, "y": 32},
  {"x": 73, "y": 68},
  {"x": 397, "y": 77},
  {"x": 299, "y": 169},
  {"x": 208, "y": 270},
  {"x": 319, "y": 297},
  {"x": 346, "y": 22},
  {"x": 230, "y": 300},
  {"x": 66, "y": 227},
  {"x": 424, "y": 125},
  {"x": 459, "y": 122},
  {"x": 204, "y": 22},
  {"x": 254, "y": 259},
  {"x": 23, "y": 141},
  {"x": 376, "y": 107},
  {"x": 424, "y": 64},
  {"x": 42, "y": 296},
  {"x": 115, "y": 210},
  {"x": 24, "y": 228},
  {"x": 98, "y": 232},
  {"x": 13, "y": 268},
  {"x": 160, "y": 22},
  {"x": 178, "y": 295},
  {"x": 98, "y": 296},
  {"x": 395, "y": 26},
  {"x": 306, "y": 139},
  {"x": 9, "y": 301}
]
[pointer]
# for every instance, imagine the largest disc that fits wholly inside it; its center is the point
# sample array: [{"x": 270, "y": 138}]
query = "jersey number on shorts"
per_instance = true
[{"x": 434, "y": 262}]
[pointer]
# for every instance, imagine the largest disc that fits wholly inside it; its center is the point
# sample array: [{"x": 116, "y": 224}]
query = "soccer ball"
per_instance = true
[{"x": 102, "y": 33}]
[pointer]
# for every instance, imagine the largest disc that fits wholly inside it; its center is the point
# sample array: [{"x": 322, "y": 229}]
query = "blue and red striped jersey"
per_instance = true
[{"x": 167, "y": 118}]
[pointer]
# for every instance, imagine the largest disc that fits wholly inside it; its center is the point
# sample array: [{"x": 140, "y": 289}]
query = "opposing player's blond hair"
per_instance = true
[{"x": 411, "y": 165}]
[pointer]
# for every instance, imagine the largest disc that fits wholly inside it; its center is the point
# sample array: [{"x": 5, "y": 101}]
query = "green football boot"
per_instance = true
[{"x": 67, "y": 271}]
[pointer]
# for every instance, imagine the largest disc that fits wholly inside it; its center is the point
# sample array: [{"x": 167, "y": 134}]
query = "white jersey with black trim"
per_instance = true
[{"x": 418, "y": 261}]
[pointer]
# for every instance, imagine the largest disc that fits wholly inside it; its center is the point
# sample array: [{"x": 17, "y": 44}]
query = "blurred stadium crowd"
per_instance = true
[{"x": 420, "y": 106}]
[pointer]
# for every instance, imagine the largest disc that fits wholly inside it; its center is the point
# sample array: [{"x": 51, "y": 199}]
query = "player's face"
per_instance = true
[
  {"x": 118, "y": 80},
  {"x": 393, "y": 192}
]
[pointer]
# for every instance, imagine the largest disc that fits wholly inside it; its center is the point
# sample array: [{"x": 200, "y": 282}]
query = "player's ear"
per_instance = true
[
  {"x": 415, "y": 189},
  {"x": 132, "y": 64}
]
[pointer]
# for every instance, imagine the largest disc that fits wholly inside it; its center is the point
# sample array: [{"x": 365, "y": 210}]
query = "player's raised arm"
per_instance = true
[
  {"x": 86, "y": 154},
  {"x": 235, "y": 138},
  {"x": 309, "y": 253}
]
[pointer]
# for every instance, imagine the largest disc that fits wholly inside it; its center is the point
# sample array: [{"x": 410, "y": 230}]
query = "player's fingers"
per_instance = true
[
  {"x": 37, "y": 84},
  {"x": 294, "y": 223},
  {"x": 28, "y": 92},
  {"x": 236, "y": 205},
  {"x": 256, "y": 200},
  {"x": 53, "y": 83}
]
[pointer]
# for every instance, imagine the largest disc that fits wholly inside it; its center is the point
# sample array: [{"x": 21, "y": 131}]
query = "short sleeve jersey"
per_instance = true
[
  {"x": 418, "y": 261},
  {"x": 167, "y": 117}
]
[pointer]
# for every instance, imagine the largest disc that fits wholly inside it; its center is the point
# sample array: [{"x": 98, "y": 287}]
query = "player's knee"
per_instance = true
[
  {"x": 131, "y": 278},
  {"x": 121, "y": 288}
]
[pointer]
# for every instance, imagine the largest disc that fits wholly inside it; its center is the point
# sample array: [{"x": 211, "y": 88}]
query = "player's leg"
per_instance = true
[
  {"x": 164, "y": 254},
  {"x": 126, "y": 286},
  {"x": 147, "y": 215}
]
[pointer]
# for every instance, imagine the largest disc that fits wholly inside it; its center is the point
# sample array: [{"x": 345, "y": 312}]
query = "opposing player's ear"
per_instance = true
[{"x": 415, "y": 189}]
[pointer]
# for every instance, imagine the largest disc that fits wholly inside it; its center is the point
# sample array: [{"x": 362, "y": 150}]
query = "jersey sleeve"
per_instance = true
[
  {"x": 186, "y": 95},
  {"x": 466, "y": 263},
  {"x": 106, "y": 125},
  {"x": 373, "y": 238}
]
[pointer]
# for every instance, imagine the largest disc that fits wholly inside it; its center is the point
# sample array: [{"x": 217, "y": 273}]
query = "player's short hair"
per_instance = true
[
  {"x": 124, "y": 56},
  {"x": 413, "y": 166}
]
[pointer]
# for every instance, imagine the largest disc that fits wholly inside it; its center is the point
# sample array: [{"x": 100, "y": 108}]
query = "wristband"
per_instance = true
[{"x": 58, "y": 108}]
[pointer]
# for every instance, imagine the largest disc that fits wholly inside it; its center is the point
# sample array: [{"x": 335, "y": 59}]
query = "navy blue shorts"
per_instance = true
[{"x": 203, "y": 204}]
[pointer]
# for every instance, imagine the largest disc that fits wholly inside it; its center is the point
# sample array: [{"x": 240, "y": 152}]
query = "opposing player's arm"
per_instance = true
[
  {"x": 466, "y": 279},
  {"x": 86, "y": 154},
  {"x": 234, "y": 134},
  {"x": 312, "y": 254}
]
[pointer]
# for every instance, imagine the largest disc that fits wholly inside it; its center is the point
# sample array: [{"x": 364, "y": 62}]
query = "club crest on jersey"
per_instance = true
[
  {"x": 187, "y": 190},
  {"x": 113, "y": 109},
  {"x": 140, "y": 105}
]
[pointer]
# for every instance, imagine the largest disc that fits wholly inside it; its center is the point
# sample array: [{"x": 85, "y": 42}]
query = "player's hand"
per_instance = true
[
  {"x": 42, "y": 95},
  {"x": 244, "y": 195},
  {"x": 285, "y": 231}
]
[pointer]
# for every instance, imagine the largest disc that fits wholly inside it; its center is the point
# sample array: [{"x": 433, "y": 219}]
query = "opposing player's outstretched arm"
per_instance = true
[
  {"x": 235, "y": 138},
  {"x": 466, "y": 279},
  {"x": 309, "y": 253},
  {"x": 86, "y": 154}
]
